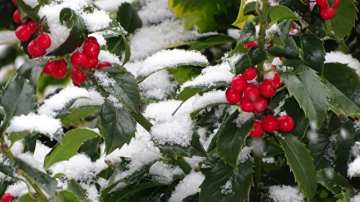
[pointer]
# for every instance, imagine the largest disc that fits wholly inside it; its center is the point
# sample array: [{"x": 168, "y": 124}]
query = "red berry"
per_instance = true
[
  {"x": 251, "y": 92},
  {"x": 78, "y": 59},
  {"x": 286, "y": 123},
  {"x": 91, "y": 38},
  {"x": 91, "y": 49},
  {"x": 16, "y": 17},
  {"x": 322, "y": 3},
  {"x": 327, "y": 13},
  {"x": 60, "y": 72},
  {"x": 23, "y": 33},
  {"x": 91, "y": 63},
  {"x": 62, "y": 61},
  {"x": 238, "y": 84},
  {"x": 78, "y": 76},
  {"x": 270, "y": 123},
  {"x": 50, "y": 67},
  {"x": 260, "y": 104},
  {"x": 33, "y": 27},
  {"x": 250, "y": 73},
  {"x": 43, "y": 41},
  {"x": 267, "y": 89},
  {"x": 103, "y": 64},
  {"x": 251, "y": 44},
  {"x": 7, "y": 198},
  {"x": 15, "y": 4},
  {"x": 232, "y": 96},
  {"x": 257, "y": 132},
  {"x": 34, "y": 50},
  {"x": 277, "y": 82},
  {"x": 247, "y": 105},
  {"x": 336, "y": 4}
]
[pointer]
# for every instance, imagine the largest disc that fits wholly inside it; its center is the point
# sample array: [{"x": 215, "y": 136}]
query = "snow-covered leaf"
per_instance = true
[
  {"x": 66, "y": 196},
  {"x": 73, "y": 115}
]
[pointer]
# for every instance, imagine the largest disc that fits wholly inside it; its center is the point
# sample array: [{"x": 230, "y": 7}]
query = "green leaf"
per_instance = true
[
  {"x": 241, "y": 180},
  {"x": 278, "y": 13},
  {"x": 306, "y": 87},
  {"x": 344, "y": 20},
  {"x": 75, "y": 114},
  {"x": 7, "y": 170},
  {"x": 78, "y": 32},
  {"x": 121, "y": 195},
  {"x": 301, "y": 122},
  {"x": 126, "y": 89},
  {"x": 247, "y": 33},
  {"x": 14, "y": 137},
  {"x": 231, "y": 138},
  {"x": 211, "y": 41},
  {"x": 71, "y": 143},
  {"x": 128, "y": 18},
  {"x": 332, "y": 180},
  {"x": 116, "y": 125},
  {"x": 42, "y": 180},
  {"x": 301, "y": 164},
  {"x": 190, "y": 91},
  {"x": 32, "y": 70},
  {"x": 297, "y": 5},
  {"x": 183, "y": 74},
  {"x": 318, "y": 148},
  {"x": 92, "y": 148},
  {"x": 26, "y": 198},
  {"x": 241, "y": 18},
  {"x": 288, "y": 50},
  {"x": 250, "y": 59},
  {"x": 344, "y": 143},
  {"x": 77, "y": 189},
  {"x": 66, "y": 196}
]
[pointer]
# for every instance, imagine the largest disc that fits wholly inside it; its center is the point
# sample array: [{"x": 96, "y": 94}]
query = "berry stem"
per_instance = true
[{"x": 280, "y": 89}]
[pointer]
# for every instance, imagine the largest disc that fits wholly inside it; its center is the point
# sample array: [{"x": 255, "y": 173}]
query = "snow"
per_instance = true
[
  {"x": 285, "y": 194},
  {"x": 242, "y": 118},
  {"x": 96, "y": 20},
  {"x": 165, "y": 173},
  {"x": 35, "y": 123},
  {"x": 29, "y": 159},
  {"x": 356, "y": 198},
  {"x": 245, "y": 154},
  {"x": 94, "y": 99},
  {"x": 205, "y": 141},
  {"x": 18, "y": 189},
  {"x": 274, "y": 29},
  {"x": 161, "y": 111},
  {"x": 354, "y": 168},
  {"x": 268, "y": 160},
  {"x": 357, "y": 126},
  {"x": 31, "y": 3},
  {"x": 194, "y": 161},
  {"x": 154, "y": 11},
  {"x": 201, "y": 101},
  {"x": 104, "y": 78},
  {"x": 110, "y": 5},
  {"x": 100, "y": 38},
  {"x": 92, "y": 193},
  {"x": 250, "y": 1},
  {"x": 210, "y": 76},
  {"x": 171, "y": 58},
  {"x": 187, "y": 187},
  {"x": 159, "y": 85},
  {"x": 227, "y": 187},
  {"x": 108, "y": 57},
  {"x": 17, "y": 148},
  {"x": 340, "y": 57},
  {"x": 176, "y": 130},
  {"x": 234, "y": 33},
  {"x": 116, "y": 102}
]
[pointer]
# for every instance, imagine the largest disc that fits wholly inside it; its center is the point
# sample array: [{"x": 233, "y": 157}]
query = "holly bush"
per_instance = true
[{"x": 180, "y": 100}]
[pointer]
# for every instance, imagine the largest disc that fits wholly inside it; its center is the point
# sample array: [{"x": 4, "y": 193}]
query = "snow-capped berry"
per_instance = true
[
  {"x": 34, "y": 50},
  {"x": 232, "y": 96},
  {"x": 78, "y": 59},
  {"x": 60, "y": 72},
  {"x": 260, "y": 104},
  {"x": 267, "y": 89},
  {"x": 103, "y": 64},
  {"x": 23, "y": 33},
  {"x": 43, "y": 41},
  {"x": 91, "y": 38},
  {"x": 78, "y": 76},
  {"x": 251, "y": 92},
  {"x": 238, "y": 83},
  {"x": 322, "y": 3},
  {"x": 250, "y": 73},
  {"x": 270, "y": 123},
  {"x": 91, "y": 63},
  {"x": 15, "y": 4},
  {"x": 50, "y": 67},
  {"x": 336, "y": 4},
  {"x": 247, "y": 105},
  {"x": 251, "y": 44},
  {"x": 16, "y": 17},
  {"x": 327, "y": 13},
  {"x": 7, "y": 198},
  {"x": 91, "y": 49},
  {"x": 257, "y": 132},
  {"x": 32, "y": 25},
  {"x": 286, "y": 123}
]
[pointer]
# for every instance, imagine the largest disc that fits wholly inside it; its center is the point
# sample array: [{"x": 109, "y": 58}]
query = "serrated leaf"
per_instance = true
[
  {"x": 231, "y": 138},
  {"x": 307, "y": 88},
  {"x": 66, "y": 196},
  {"x": 126, "y": 88},
  {"x": 241, "y": 18},
  {"x": 77, "y": 190},
  {"x": 42, "y": 180},
  {"x": 71, "y": 143},
  {"x": 301, "y": 164},
  {"x": 128, "y": 18},
  {"x": 278, "y": 13},
  {"x": 250, "y": 59},
  {"x": 318, "y": 149},
  {"x": 344, "y": 142},
  {"x": 75, "y": 114},
  {"x": 332, "y": 180},
  {"x": 121, "y": 195},
  {"x": 301, "y": 122},
  {"x": 116, "y": 125},
  {"x": 32, "y": 70},
  {"x": 241, "y": 180},
  {"x": 247, "y": 33},
  {"x": 344, "y": 20},
  {"x": 289, "y": 50}
]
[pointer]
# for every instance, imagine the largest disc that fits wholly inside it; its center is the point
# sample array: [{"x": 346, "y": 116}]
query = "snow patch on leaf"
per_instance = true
[
  {"x": 285, "y": 194},
  {"x": 187, "y": 187}
]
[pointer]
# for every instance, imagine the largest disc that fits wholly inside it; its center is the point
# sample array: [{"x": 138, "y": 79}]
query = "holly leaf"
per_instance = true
[
  {"x": 26, "y": 198},
  {"x": 75, "y": 114},
  {"x": 32, "y": 70},
  {"x": 344, "y": 20},
  {"x": 344, "y": 142},
  {"x": 241, "y": 18},
  {"x": 66, "y": 196},
  {"x": 128, "y": 18},
  {"x": 318, "y": 148},
  {"x": 332, "y": 180},
  {"x": 247, "y": 33},
  {"x": 77, "y": 190},
  {"x": 125, "y": 193},
  {"x": 250, "y": 59}
]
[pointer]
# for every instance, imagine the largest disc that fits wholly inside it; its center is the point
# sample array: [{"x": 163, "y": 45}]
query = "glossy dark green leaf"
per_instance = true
[
  {"x": 231, "y": 138},
  {"x": 297, "y": 5},
  {"x": 77, "y": 189},
  {"x": 78, "y": 32},
  {"x": 128, "y": 18},
  {"x": 190, "y": 91},
  {"x": 241, "y": 180},
  {"x": 344, "y": 142},
  {"x": 42, "y": 180},
  {"x": 210, "y": 41},
  {"x": 121, "y": 195},
  {"x": 32, "y": 70},
  {"x": 116, "y": 125},
  {"x": 307, "y": 88},
  {"x": 126, "y": 89},
  {"x": 7, "y": 170},
  {"x": 287, "y": 50},
  {"x": 344, "y": 20},
  {"x": 75, "y": 114},
  {"x": 183, "y": 74},
  {"x": 247, "y": 33},
  {"x": 332, "y": 180},
  {"x": 66, "y": 196},
  {"x": 278, "y": 13},
  {"x": 26, "y": 198},
  {"x": 249, "y": 8},
  {"x": 250, "y": 59},
  {"x": 301, "y": 164},
  {"x": 319, "y": 147},
  {"x": 91, "y": 148}
]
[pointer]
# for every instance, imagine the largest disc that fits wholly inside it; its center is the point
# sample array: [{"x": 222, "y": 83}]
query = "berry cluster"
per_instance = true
[
  {"x": 7, "y": 198},
  {"x": 252, "y": 99},
  {"x": 327, "y": 12},
  {"x": 36, "y": 47}
]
